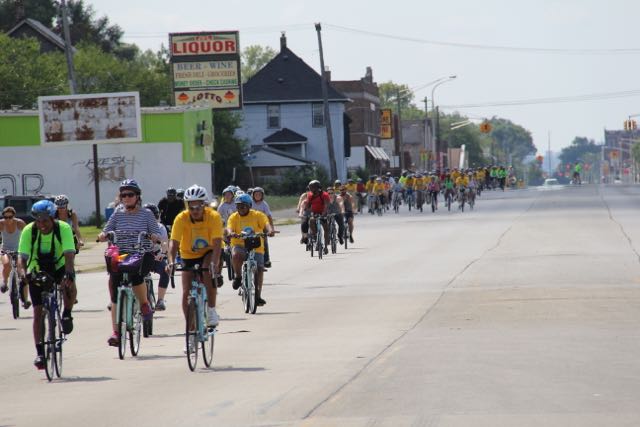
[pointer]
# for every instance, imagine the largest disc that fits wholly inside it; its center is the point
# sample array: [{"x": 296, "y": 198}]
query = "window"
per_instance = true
[
  {"x": 273, "y": 116},
  {"x": 318, "y": 115}
]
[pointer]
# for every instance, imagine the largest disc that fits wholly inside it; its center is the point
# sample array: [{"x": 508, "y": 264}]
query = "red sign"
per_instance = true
[{"x": 199, "y": 44}]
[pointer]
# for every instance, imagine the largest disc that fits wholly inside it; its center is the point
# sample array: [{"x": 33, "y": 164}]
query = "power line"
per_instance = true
[
  {"x": 515, "y": 49},
  {"x": 556, "y": 100},
  {"x": 247, "y": 30}
]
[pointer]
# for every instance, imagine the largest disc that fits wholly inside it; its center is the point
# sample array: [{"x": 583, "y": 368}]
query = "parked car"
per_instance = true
[{"x": 22, "y": 205}]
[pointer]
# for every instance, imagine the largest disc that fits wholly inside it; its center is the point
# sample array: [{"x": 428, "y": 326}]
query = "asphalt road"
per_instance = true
[{"x": 524, "y": 312}]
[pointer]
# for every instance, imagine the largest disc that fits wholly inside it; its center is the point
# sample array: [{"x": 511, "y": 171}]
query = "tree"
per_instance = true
[
  {"x": 253, "y": 58},
  {"x": 512, "y": 142},
  {"x": 227, "y": 148},
  {"x": 578, "y": 148},
  {"x": 25, "y": 73},
  {"x": 40, "y": 10},
  {"x": 469, "y": 135},
  {"x": 389, "y": 99}
]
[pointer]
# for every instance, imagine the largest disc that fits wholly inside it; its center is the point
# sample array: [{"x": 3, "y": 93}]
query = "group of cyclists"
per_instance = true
[{"x": 185, "y": 229}]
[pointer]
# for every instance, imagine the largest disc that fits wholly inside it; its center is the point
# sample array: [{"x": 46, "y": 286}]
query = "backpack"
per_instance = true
[{"x": 48, "y": 261}]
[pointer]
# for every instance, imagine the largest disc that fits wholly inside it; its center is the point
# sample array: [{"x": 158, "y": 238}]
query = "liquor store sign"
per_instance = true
[{"x": 206, "y": 69}]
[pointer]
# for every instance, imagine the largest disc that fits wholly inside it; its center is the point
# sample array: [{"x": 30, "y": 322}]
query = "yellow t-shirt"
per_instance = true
[
  {"x": 369, "y": 186},
  {"x": 352, "y": 188},
  {"x": 196, "y": 238},
  {"x": 255, "y": 220},
  {"x": 378, "y": 188},
  {"x": 455, "y": 175},
  {"x": 462, "y": 181},
  {"x": 409, "y": 183},
  {"x": 420, "y": 183}
]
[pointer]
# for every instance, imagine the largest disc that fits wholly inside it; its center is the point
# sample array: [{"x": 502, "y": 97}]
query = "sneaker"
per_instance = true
[
  {"x": 260, "y": 301},
  {"x": 160, "y": 305},
  {"x": 267, "y": 264},
  {"x": 39, "y": 362},
  {"x": 341, "y": 240},
  {"x": 26, "y": 305},
  {"x": 109, "y": 306},
  {"x": 212, "y": 317},
  {"x": 114, "y": 340},
  {"x": 326, "y": 250},
  {"x": 351, "y": 239},
  {"x": 67, "y": 324},
  {"x": 192, "y": 345},
  {"x": 147, "y": 311},
  {"x": 237, "y": 282},
  {"x": 219, "y": 281},
  {"x": 4, "y": 288}
]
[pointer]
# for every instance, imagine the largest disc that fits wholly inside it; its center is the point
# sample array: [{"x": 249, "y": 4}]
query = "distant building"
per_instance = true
[
  {"x": 364, "y": 113},
  {"x": 49, "y": 41},
  {"x": 617, "y": 153},
  {"x": 417, "y": 144},
  {"x": 283, "y": 119}
]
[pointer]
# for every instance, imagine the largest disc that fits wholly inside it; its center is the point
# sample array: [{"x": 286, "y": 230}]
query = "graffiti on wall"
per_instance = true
[
  {"x": 31, "y": 184},
  {"x": 110, "y": 169}
]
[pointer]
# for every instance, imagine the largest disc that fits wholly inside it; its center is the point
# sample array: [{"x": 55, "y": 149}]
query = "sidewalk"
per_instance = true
[{"x": 91, "y": 257}]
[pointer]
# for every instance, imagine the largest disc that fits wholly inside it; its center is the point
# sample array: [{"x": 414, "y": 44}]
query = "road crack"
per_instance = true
[
  {"x": 622, "y": 230},
  {"x": 427, "y": 312}
]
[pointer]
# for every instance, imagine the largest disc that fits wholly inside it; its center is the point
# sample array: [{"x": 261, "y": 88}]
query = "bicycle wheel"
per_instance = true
[
  {"x": 15, "y": 294},
  {"x": 251, "y": 290},
  {"x": 191, "y": 334},
  {"x": 243, "y": 287},
  {"x": 345, "y": 237},
  {"x": 47, "y": 338},
  {"x": 227, "y": 260},
  {"x": 121, "y": 319},
  {"x": 449, "y": 203},
  {"x": 334, "y": 239},
  {"x": 147, "y": 325},
  {"x": 136, "y": 329},
  {"x": 208, "y": 344},
  {"x": 58, "y": 338},
  {"x": 310, "y": 245}
]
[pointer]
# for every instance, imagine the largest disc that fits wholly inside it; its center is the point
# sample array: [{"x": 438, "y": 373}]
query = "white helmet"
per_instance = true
[{"x": 194, "y": 193}]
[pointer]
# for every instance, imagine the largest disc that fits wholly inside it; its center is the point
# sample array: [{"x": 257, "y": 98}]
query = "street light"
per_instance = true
[{"x": 435, "y": 114}]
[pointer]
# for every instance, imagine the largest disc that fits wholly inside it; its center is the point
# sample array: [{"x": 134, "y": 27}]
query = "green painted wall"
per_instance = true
[{"x": 22, "y": 129}]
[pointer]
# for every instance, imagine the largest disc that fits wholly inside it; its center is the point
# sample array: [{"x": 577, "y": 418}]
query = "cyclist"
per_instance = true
[
  {"x": 67, "y": 215},
  {"x": 462, "y": 182},
  {"x": 10, "y": 228},
  {"x": 303, "y": 212},
  {"x": 348, "y": 203},
  {"x": 396, "y": 193},
  {"x": 180, "y": 195},
  {"x": 227, "y": 207},
  {"x": 127, "y": 223},
  {"x": 433, "y": 187},
  {"x": 378, "y": 192},
  {"x": 198, "y": 232},
  {"x": 160, "y": 263},
  {"x": 577, "y": 169},
  {"x": 46, "y": 245},
  {"x": 351, "y": 187},
  {"x": 318, "y": 203},
  {"x": 419, "y": 186},
  {"x": 448, "y": 185},
  {"x": 337, "y": 184},
  {"x": 259, "y": 204},
  {"x": 370, "y": 195},
  {"x": 247, "y": 218},
  {"x": 170, "y": 207},
  {"x": 336, "y": 207},
  {"x": 361, "y": 193},
  {"x": 409, "y": 182}
]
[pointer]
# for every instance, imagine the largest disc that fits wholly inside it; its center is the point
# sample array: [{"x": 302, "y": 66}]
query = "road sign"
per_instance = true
[
  {"x": 613, "y": 154},
  {"x": 485, "y": 127}
]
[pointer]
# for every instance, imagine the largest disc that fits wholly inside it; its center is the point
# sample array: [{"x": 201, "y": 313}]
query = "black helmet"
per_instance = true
[
  {"x": 130, "y": 184},
  {"x": 315, "y": 184},
  {"x": 153, "y": 208},
  {"x": 171, "y": 191}
]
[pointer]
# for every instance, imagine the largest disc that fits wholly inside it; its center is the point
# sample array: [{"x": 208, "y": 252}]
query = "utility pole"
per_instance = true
[
  {"x": 549, "y": 153},
  {"x": 400, "y": 148},
  {"x": 325, "y": 101},
  {"x": 68, "y": 52}
]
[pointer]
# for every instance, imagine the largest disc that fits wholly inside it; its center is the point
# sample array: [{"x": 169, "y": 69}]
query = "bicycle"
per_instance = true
[
  {"x": 396, "y": 201},
  {"x": 51, "y": 335},
  {"x": 249, "y": 268},
  {"x": 128, "y": 311},
  {"x": 419, "y": 199},
  {"x": 197, "y": 330},
  {"x": 462, "y": 199},
  {"x": 333, "y": 233},
  {"x": 433, "y": 195},
  {"x": 317, "y": 241},
  {"x": 448, "y": 198},
  {"x": 147, "y": 325},
  {"x": 410, "y": 199},
  {"x": 379, "y": 205},
  {"x": 471, "y": 198},
  {"x": 15, "y": 285},
  {"x": 346, "y": 235}
]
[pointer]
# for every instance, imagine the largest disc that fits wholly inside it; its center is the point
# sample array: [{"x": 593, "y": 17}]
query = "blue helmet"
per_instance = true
[
  {"x": 244, "y": 199},
  {"x": 43, "y": 207},
  {"x": 130, "y": 184}
]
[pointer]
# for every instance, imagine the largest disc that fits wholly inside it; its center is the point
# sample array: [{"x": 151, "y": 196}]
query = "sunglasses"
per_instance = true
[
  {"x": 196, "y": 207},
  {"x": 7, "y": 216},
  {"x": 125, "y": 195}
]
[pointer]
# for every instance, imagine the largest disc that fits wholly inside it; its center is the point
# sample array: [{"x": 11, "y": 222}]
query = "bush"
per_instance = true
[
  {"x": 360, "y": 172},
  {"x": 295, "y": 181}
]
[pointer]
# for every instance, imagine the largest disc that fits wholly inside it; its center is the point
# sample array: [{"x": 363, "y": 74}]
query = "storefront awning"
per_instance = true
[{"x": 378, "y": 153}]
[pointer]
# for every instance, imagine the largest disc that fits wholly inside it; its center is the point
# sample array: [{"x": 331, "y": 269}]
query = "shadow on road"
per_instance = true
[
  {"x": 84, "y": 379},
  {"x": 166, "y": 335},
  {"x": 158, "y": 357},
  {"x": 273, "y": 313},
  {"x": 8, "y": 329},
  {"x": 238, "y": 369},
  {"x": 90, "y": 311}
]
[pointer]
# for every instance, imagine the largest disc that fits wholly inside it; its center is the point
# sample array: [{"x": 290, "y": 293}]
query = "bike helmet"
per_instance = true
[
  {"x": 61, "y": 201},
  {"x": 180, "y": 193},
  {"x": 337, "y": 183},
  {"x": 195, "y": 193},
  {"x": 130, "y": 184},
  {"x": 350, "y": 181},
  {"x": 315, "y": 184},
  {"x": 43, "y": 208},
  {"x": 171, "y": 191},
  {"x": 359, "y": 179},
  {"x": 229, "y": 189},
  {"x": 258, "y": 190},
  {"x": 153, "y": 208},
  {"x": 244, "y": 199}
]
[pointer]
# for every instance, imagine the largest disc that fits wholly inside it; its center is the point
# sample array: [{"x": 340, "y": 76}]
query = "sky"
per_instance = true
[{"x": 557, "y": 49}]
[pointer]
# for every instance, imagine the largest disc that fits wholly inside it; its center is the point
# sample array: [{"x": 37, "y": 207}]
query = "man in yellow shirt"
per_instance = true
[
  {"x": 243, "y": 219},
  {"x": 462, "y": 181},
  {"x": 352, "y": 187},
  {"x": 197, "y": 231}
]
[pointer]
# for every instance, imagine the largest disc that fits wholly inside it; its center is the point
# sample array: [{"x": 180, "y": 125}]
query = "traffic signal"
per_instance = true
[
  {"x": 630, "y": 125},
  {"x": 634, "y": 125},
  {"x": 626, "y": 125}
]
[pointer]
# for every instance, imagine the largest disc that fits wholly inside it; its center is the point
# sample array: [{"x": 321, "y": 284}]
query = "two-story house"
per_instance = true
[{"x": 283, "y": 118}]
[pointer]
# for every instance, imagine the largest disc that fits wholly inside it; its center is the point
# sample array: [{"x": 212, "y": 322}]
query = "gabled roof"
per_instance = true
[
  {"x": 285, "y": 135},
  {"x": 42, "y": 30},
  {"x": 287, "y": 78},
  {"x": 264, "y": 156}
]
